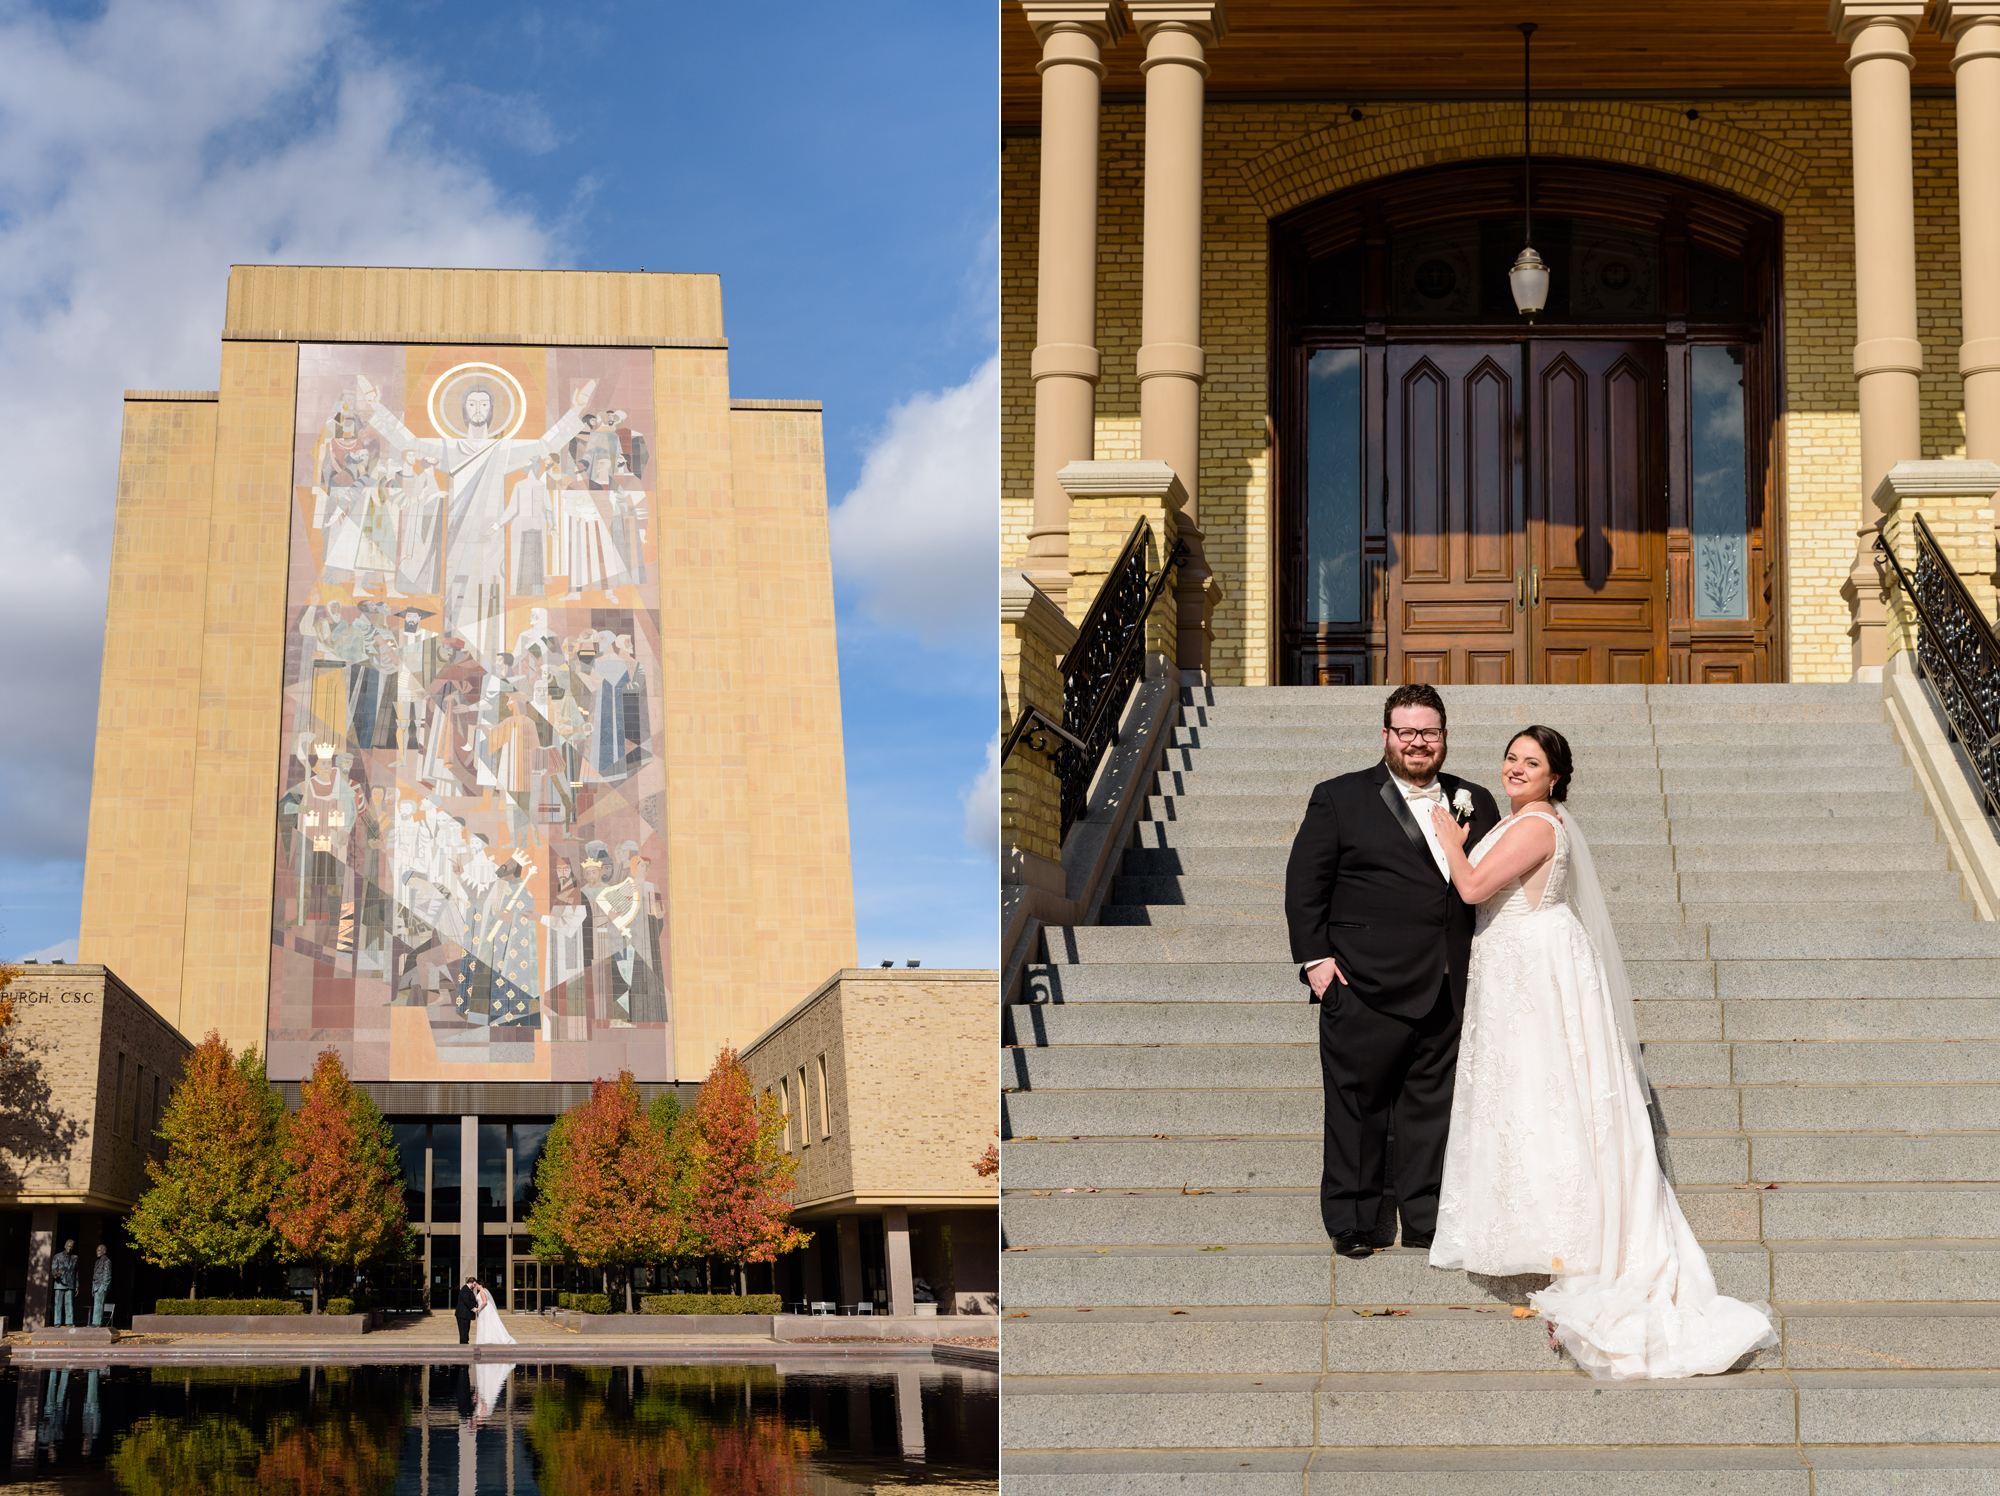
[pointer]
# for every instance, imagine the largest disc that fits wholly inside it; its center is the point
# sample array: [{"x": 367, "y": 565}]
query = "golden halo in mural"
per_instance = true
[{"x": 448, "y": 396}]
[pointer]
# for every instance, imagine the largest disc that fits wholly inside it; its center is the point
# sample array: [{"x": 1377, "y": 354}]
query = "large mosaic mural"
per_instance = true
[{"x": 470, "y": 854}]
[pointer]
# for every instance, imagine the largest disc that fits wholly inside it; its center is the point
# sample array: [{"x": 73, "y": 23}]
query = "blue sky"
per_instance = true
[{"x": 837, "y": 168}]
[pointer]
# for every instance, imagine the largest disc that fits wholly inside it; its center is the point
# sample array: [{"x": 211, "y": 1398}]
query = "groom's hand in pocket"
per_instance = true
[{"x": 1322, "y": 975}]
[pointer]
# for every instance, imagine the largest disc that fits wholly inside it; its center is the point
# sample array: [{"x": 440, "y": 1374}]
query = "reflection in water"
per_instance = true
[{"x": 488, "y": 1429}]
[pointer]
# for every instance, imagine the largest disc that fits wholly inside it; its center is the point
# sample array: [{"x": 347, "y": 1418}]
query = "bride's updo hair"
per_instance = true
[{"x": 1556, "y": 748}]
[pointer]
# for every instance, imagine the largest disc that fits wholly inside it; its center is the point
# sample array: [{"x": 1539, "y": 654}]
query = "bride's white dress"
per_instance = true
[
  {"x": 1550, "y": 1167},
  {"x": 487, "y": 1329}
]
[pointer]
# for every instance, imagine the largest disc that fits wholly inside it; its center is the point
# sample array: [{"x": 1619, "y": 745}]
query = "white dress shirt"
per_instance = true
[{"x": 1420, "y": 802}]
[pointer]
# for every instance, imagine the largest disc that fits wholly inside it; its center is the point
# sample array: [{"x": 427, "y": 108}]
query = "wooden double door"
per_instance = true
[{"x": 1525, "y": 488}]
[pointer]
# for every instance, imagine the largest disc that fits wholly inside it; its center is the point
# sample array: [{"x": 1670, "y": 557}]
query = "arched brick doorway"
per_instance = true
[{"x": 1465, "y": 498}]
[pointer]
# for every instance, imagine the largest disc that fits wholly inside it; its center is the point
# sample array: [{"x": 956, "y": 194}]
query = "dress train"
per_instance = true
[{"x": 1551, "y": 1167}]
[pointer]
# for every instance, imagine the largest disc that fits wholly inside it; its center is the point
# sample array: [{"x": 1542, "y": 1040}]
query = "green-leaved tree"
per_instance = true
[{"x": 210, "y": 1201}]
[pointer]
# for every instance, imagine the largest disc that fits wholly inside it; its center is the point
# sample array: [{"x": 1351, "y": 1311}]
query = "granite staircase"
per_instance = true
[{"x": 1821, "y": 1007}]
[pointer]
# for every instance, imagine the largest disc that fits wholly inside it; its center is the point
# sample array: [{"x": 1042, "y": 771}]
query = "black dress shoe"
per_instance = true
[
  {"x": 1353, "y": 1244},
  {"x": 1419, "y": 1239}
]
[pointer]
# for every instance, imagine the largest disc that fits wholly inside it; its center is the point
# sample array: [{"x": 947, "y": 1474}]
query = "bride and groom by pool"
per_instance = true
[{"x": 1474, "y": 1007}]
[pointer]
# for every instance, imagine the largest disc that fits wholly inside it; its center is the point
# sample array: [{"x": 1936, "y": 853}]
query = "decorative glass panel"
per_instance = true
[
  {"x": 1721, "y": 548},
  {"x": 1333, "y": 487},
  {"x": 1434, "y": 272}
]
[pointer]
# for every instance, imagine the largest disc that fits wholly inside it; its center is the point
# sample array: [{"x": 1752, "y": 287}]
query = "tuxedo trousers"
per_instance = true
[{"x": 1379, "y": 1071}]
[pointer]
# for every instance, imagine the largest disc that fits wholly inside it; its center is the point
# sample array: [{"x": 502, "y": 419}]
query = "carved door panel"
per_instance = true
[
  {"x": 1597, "y": 512},
  {"x": 1457, "y": 562}
]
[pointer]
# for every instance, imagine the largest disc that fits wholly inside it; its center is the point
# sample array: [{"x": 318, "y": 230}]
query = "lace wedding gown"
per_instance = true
[{"x": 1550, "y": 1166}]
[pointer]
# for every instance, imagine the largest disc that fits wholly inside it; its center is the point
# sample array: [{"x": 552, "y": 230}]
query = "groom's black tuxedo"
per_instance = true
[{"x": 1363, "y": 888}]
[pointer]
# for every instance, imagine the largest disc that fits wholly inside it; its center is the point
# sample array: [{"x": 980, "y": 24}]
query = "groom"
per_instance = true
[
  {"x": 1383, "y": 941},
  {"x": 468, "y": 1309}
]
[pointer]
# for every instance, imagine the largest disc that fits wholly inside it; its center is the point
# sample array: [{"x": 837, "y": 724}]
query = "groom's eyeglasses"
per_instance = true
[{"x": 1409, "y": 735}]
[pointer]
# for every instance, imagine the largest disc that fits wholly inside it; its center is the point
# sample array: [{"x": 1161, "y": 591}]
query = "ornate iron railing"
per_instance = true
[
  {"x": 1099, "y": 672},
  {"x": 1957, "y": 653}
]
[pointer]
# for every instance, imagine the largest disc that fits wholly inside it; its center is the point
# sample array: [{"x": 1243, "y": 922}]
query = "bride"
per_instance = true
[
  {"x": 486, "y": 1328},
  {"x": 1550, "y": 1166}
]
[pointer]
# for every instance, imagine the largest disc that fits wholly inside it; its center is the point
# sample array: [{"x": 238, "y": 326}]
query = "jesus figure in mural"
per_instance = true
[{"x": 475, "y": 467}]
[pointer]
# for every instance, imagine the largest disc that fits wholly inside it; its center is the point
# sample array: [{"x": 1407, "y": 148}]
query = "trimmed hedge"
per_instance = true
[
  {"x": 711, "y": 1303},
  {"x": 340, "y": 1306},
  {"x": 228, "y": 1306},
  {"x": 585, "y": 1303}
]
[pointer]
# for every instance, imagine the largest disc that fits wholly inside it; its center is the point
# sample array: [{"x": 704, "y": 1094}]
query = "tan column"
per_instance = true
[
  {"x": 1066, "y": 366},
  {"x": 1887, "y": 356},
  {"x": 1974, "y": 27},
  {"x": 1171, "y": 368}
]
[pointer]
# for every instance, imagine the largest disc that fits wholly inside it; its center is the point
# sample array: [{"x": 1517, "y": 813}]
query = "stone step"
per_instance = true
[
  {"x": 1886, "y": 793},
  {"x": 1277, "y": 1111},
  {"x": 1942, "y": 887},
  {"x": 1216, "y": 771},
  {"x": 1687, "y": 1470},
  {"x": 1264, "y": 1162},
  {"x": 1263, "y": 711},
  {"x": 1718, "y": 1213},
  {"x": 1625, "y": 913},
  {"x": 1786, "y": 1272},
  {"x": 1290, "y": 1339},
  {"x": 1919, "y": 856},
  {"x": 1763, "y": 983},
  {"x": 1721, "y": 829}
]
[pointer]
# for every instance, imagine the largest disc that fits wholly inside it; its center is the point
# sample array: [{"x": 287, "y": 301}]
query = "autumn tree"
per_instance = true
[
  {"x": 8, "y": 976},
  {"x": 604, "y": 1189},
  {"x": 340, "y": 1203},
  {"x": 209, "y": 1203},
  {"x": 738, "y": 1180}
]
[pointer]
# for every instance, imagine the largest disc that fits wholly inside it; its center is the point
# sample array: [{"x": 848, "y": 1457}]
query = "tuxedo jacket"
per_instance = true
[
  {"x": 1363, "y": 888},
  {"x": 468, "y": 1302}
]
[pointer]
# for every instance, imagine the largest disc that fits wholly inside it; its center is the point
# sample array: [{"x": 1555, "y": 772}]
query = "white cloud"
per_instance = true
[
  {"x": 62, "y": 950},
  {"x": 982, "y": 804},
  {"x": 919, "y": 533},
  {"x": 142, "y": 152}
]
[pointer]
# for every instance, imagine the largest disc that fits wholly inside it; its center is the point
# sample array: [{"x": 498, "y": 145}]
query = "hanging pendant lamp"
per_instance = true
[{"x": 1529, "y": 279}]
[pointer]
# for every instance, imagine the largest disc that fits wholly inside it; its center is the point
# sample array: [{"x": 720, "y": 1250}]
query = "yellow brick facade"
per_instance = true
[
  {"x": 1792, "y": 156},
  {"x": 179, "y": 874}
]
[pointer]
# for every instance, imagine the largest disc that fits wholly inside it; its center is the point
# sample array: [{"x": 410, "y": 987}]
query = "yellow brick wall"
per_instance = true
[
  {"x": 1261, "y": 159},
  {"x": 226, "y": 974},
  {"x": 802, "y": 876},
  {"x": 142, "y": 798},
  {"x": 1030, "y": 792},
  {"x": 891, "y": 1140}
]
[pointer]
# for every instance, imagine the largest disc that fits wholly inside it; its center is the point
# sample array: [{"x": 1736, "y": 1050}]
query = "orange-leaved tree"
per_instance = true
[
  {"x": 604, "y": 1188},
  {"x": 209, "y": 1203},
  {"x": 341, "y": 1201},
  {"x": 738, "y": 1180},
  {"x": 8, "y": 974}
]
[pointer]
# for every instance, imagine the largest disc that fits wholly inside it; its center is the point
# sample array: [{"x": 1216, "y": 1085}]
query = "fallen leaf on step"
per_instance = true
[
  {"x": 1026, "y": 1137},
  {"x": 1381, "y": 1313},
  {"x": 1017, "y": 1316},
  {"x": 1215, "y": 1249},
  {"x": 1461, "y": 1306},
  {"x": 1065, "y": 1192},
  {"x": 1486, "y": 1311},
  {"x": 1177, "y": 1311},
  {"x": 1520, "y": 1313},
  {"x": 1160, "y": 1135},
  {"x": 1186, "y": 1191}
]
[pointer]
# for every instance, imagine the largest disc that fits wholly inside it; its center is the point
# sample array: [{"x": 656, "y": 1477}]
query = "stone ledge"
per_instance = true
[{"x": 251, "y": 1324}]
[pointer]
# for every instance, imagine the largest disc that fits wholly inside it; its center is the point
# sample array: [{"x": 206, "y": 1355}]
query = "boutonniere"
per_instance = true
[{"x": 1461, "y": 806}]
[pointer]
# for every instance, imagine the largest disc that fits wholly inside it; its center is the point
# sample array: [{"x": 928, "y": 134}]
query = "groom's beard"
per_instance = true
[{"x": 1399, "y": 763}]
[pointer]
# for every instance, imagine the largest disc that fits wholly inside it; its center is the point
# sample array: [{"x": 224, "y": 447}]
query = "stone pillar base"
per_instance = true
[{"x": 1106, "y": 500}]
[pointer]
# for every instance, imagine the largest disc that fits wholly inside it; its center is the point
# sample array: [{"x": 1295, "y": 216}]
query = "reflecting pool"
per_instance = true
[{"x": 488, "y": 1429}]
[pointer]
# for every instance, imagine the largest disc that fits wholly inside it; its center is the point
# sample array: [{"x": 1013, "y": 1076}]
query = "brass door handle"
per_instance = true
[
  {"x": 1535, "y": 586},
  {"x": 1520, "y": 589}
]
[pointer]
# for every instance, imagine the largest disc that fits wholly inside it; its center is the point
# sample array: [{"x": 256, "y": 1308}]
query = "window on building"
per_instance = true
[
  {"x": 805, "y": 1128},
  {"x": 1721, "y": 515},
  {"x": 784, "y": 1094},
  {"x": 1333, "y": 487},
  {"x": 825, "y": 1107},
  {"x": 118, "y": 1100}
]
